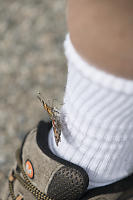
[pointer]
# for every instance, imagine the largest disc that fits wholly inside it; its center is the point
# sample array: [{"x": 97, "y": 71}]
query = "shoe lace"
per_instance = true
[{"x": 25, "y": 182}]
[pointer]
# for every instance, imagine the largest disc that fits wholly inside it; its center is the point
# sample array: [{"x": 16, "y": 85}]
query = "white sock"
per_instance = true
[{"x": 97, "y": 120}]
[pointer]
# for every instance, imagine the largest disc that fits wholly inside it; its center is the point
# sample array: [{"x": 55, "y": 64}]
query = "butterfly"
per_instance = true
[{"x": 54, "y": 115}]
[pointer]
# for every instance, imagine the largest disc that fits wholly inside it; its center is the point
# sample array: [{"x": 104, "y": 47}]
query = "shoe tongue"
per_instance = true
[{"x": 56, "y": 179}]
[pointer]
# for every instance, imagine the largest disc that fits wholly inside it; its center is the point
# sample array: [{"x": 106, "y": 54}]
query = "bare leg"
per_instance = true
[{"x": 102, "y": 32}]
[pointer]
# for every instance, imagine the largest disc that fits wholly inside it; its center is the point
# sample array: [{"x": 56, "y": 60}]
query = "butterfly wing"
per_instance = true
[{"x": 57, "y": 130}]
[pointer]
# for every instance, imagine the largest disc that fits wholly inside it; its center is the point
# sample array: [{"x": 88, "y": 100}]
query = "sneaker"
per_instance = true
[{"x": 41, "y": 175}]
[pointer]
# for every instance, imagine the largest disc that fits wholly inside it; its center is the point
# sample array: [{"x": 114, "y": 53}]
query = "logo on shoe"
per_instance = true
[{"x": 29, "y": 169}]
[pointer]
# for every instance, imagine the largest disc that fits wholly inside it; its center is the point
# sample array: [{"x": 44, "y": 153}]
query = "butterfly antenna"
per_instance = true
[{"x": 40, "y": 98}]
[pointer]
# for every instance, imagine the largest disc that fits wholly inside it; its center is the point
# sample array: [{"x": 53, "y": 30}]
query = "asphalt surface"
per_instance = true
[{"x": 31, "y": 60}]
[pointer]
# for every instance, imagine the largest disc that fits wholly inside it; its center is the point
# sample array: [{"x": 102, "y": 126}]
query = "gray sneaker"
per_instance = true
[{"x": 39, "y": 174}]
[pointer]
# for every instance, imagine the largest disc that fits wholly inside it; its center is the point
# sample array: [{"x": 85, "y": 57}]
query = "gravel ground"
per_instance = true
[{"x": 31, "y": 59}]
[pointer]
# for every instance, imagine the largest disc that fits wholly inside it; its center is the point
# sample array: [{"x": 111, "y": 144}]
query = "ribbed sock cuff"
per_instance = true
[{"x": 94, "y": 74}]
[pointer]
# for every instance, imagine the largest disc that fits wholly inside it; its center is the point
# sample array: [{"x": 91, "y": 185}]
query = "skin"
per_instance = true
[{"x": 102, "y": 33}]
